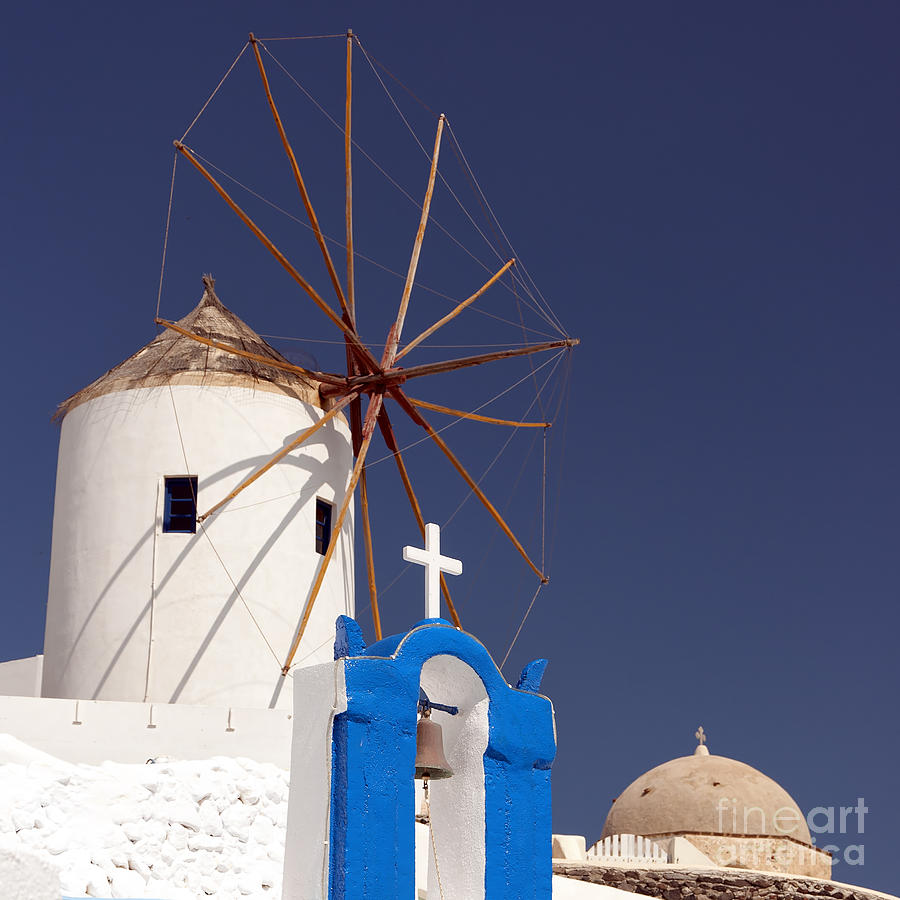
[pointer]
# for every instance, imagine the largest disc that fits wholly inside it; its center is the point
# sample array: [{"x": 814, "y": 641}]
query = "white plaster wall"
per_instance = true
[
  {"x": 683, "y": 853},
  {"x": 457, "y": 803},
  {"x": 94, "y": 731},
  {"x": 21, "y": 677},
  {"x": 319, "y": 696},
  {"x": 206, "y": 619},
  {"x": 423, "y": 851},
  {"x": 569, "y": 846}
]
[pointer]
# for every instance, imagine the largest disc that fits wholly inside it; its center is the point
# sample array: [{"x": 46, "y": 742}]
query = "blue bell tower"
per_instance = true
[{"x": 490, "y": 824}]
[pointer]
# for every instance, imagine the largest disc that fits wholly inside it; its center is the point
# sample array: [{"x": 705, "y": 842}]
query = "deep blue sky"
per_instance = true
[{"x": 707, "y": 195}]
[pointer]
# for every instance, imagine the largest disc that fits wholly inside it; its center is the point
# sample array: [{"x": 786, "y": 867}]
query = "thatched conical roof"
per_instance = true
[{"x": 171, "y": 358}]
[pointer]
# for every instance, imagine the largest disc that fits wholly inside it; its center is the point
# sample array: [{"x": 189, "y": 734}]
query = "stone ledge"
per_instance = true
[{"x": 706, "y": 884}]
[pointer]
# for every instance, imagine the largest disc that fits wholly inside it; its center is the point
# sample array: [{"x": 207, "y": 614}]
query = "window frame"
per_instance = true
[
  {"x": 168, "y": 515},
  {"x": 323, "y": 541}
]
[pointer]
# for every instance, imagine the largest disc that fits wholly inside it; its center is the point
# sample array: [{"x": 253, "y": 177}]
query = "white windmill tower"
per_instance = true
[
  {"x": 204, "y": 402},
  {"x": 145, "y": 602}
]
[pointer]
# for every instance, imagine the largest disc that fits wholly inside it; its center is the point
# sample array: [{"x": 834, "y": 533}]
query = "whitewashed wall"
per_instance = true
[
  {"x": 22, "y": 677},
  {"x": 135, "y": 614},
  {"x": 457, "y": 803},
  {"x": 94, "y": 731},
  {"x": 321, "y": 695}
]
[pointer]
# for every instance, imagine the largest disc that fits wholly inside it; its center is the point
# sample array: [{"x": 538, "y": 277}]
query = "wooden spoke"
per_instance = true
[
  {"x": 348, "y": 180},
  {"x": 355, "y": 407},
  {"x": 417, "y": 417},
  {"x": 397, "y": 376},
  {"x": 368, "y": 430},
  {"x": 352, "y": 362},
  {"x": 466, "y": 362},
  {"x": 390, "y": 347},
  {"x": 422, "y": 404},
  {"x": 298, "y": 178},
  {"x": 366, "y": 374},
  {"x": 324, "y": 377},
  {"x": 360, "y": 349},
  {"x": 387, "y": 431},
  {"x": 356, "y": 424},
  {"x": 453, "y": 313},
  {"x": 307, "y": 433},
  {"x": 370, "y": 557}
]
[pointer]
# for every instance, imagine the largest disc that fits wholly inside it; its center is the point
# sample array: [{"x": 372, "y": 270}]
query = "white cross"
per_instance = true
[{"x": 434, "y": 564}]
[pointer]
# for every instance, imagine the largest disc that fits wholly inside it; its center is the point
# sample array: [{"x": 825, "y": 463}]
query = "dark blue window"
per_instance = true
[
  {"x": 180, "y": 511},
  {"x": 323, "y": 525}
]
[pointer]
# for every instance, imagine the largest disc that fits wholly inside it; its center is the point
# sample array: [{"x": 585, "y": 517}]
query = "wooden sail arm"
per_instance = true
[
  {"x": 370, "y": 556},
  {"x": 356, "y": 422},
  {"x": 422, "y": 404},
  {"x": 324, "y": 377},
  {"x": 359, "y": 348},
  {"x": 451, "y": 365},
  {"x": 304, "y": 435},
  {"x": 387, "y": 431},
  {"x": 352, "y": 362},
  {"x": 453, "y": 312},
  {"x": 298, "y": 178},
  {"x": 348, "y": 181},
  {"x": 368, "y": 430},
  {"x": 397, "y": 376},
  {"x": 417, "y": 417},
  {"x": 393, "y": 339}
]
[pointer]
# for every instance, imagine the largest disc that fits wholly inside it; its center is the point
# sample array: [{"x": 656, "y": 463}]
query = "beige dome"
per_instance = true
[{"x": 706, "y": 794}]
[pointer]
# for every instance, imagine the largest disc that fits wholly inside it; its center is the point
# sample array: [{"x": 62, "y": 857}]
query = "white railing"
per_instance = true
[{"x": 628, "y": 848}]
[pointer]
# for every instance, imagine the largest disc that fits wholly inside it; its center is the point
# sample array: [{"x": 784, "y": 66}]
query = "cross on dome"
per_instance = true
[
  {"x": 434, "y": 564},
  {"x": 701, "y": 749}
]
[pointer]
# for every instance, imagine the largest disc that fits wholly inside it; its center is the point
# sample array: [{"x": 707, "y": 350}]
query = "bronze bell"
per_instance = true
[{"x": 430, "y": 760}]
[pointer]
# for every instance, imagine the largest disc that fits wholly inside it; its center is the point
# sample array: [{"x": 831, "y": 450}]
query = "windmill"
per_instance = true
[{"x": 377, "y": 379}]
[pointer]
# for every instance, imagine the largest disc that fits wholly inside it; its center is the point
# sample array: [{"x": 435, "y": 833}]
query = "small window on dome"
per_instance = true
[
  {"x": 323, "y": 525},
  {"x": 180, "y": 509}
]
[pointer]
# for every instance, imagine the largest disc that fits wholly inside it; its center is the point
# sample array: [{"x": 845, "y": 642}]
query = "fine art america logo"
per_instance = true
[{"x": 824, "y": 822}]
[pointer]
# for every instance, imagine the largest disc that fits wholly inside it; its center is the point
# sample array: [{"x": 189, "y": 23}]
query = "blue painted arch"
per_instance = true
[{"x": 373, "y": 755}]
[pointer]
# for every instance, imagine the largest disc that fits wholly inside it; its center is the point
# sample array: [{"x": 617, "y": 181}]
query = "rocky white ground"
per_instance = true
[
  {"x": 170, "y": 830},
  {"x": 174, "y": 830}
]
